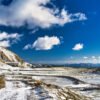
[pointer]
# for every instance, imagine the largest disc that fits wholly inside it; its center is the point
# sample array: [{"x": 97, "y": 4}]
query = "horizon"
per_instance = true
[
  {"x": 64, "y": 63},
  {"x": 51, "y": 31}
]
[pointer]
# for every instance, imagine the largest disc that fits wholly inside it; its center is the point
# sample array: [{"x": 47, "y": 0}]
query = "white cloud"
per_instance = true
[
  {"x": 35, "y": 13},
  {"x": 85, "y": 57},
  {"x": 44, "y": 43},
  {"x": 27, "y": 47},
  {"x": 6, "y": 40},
  {"x": 93, "y": 57},
  {"x": 81, "y": 16},
  {"x": 5, "y": 35},
  {"x": 34, "y": 31},
  {"x": 5, "y": 43},
  {"x": 78, "y": 47}
]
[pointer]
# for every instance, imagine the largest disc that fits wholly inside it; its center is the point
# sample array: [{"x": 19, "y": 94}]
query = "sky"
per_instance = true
[{"x": 51, "y": 31}]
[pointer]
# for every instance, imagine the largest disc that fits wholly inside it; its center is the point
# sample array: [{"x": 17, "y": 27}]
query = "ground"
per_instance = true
[{"x": 63, "y": 83}]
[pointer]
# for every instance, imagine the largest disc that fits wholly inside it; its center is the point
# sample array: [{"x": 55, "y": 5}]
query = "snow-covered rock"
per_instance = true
[
  {"x": 10, "y": 58},
  {"x": 7, "y": 55}
]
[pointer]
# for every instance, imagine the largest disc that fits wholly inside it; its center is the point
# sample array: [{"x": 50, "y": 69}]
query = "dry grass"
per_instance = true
[
  {"x": 37, "y": 83},
  {"x": 2, "y": 81}
]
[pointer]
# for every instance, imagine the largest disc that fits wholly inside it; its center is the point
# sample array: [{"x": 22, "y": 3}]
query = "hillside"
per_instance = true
[{"x": 10, "y": 58}]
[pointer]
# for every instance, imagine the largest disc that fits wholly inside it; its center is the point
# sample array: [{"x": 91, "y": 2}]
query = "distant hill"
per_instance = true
[{"x": 75, "y": 65}]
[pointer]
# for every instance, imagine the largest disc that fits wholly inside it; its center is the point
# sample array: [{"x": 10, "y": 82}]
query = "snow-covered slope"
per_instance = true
[
  {"x": 4, "y": 66},
  {"x": 7, "y": 56}
]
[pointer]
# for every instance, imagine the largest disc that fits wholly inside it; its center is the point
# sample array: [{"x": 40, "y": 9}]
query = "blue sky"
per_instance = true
[{"x": 51, "y": 31}]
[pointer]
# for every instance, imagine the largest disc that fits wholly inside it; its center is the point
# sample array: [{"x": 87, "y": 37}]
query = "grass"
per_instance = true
[{"x": 2, "y": 81}]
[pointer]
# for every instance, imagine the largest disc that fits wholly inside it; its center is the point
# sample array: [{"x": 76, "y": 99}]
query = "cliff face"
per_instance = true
[{"x": 8, "y": 57}]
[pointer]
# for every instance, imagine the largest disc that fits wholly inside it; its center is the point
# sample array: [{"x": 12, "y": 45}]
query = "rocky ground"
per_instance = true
[{"x": 50, "y": 84}]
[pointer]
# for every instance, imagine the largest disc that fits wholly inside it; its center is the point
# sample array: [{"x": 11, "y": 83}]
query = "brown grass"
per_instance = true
[
  {"x": 37, "y": 83},
  {"x": 2, "y": 81}
]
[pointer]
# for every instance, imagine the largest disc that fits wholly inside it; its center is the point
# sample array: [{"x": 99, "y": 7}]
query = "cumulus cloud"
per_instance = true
[
  {"x": 44, "y": 43},
  {"x": 6, "y": 40},
  {"x": 34, "y": 13},
  {"x": 78, "y": 47}
]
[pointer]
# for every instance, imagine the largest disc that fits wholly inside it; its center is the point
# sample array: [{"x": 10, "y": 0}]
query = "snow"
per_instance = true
[
  {"x": 5, "y": 66},
  {"x": 12, "y": 93},
  {"x": 93, "y": 78},
  {"x": 9, "y": 54},
  {"x": 17, "y": 90}
]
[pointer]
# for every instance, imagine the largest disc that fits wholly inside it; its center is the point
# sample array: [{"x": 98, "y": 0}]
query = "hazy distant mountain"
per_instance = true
[{"x": 86, "y": 65}]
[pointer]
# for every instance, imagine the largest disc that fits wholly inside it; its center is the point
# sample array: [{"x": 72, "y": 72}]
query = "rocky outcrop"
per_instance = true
[{"x": 10, "y": 58}]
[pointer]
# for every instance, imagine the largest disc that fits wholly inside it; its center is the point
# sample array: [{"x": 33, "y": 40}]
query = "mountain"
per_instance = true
[
  {"x": 10, "y": 58},
  {"x": 84, "y": 65}
]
